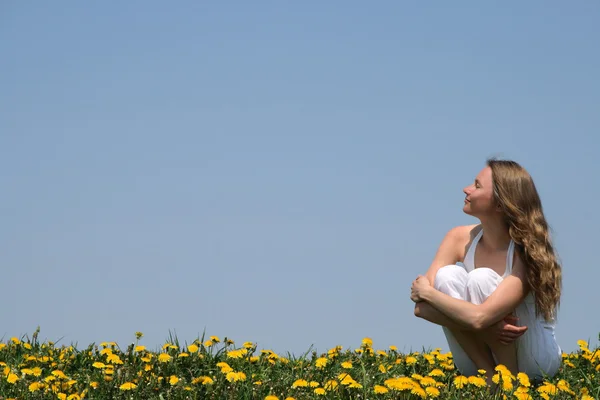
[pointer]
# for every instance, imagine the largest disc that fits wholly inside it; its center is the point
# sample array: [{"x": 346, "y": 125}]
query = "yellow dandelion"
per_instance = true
[
  {"x": 393, "y": 348},
  {"x": 522, "y": 395},
  {"x": 437, "y": 372},
  {"x": 128, "y": 386},
  {"x": 477, "y": 381},
  {"x": 313, "y": 384},
  {"x": 330, "y": 385},
  {"x": 139, "y": 348},
  {"x": 378, "y": 389},
  {"x": 59, "y": 374},
  {"x": 321, "y": 362},
  {"x": 507, "y": 385},
  {"x": 460, "y": 381},
  {"x": 367, "y": 342},
  {"x": 563, "y": 386},
  {"x": 164, "y": 357},
  {"x": 410, "y": 360},
  {"x": 35, "y": 386},
  {"x": 345, "y": 378},
  {"x": 319, "y": 391},
  {"x": 355, "y": 385},
  {"x": 192, "y": 348},
  {"x": 347, "y": 365},
  {"x": 271, "y": 397},
  {"x": 432, "y": 392},
  {"x": 299, "y": 383},
  {"x": 548, "y": 389},
  {"x": 173, "y": 380},
  {"x": 427, "y": 381},
  {"x": 418, "y": 391},
  {"x": 523, "y": 379},
  {"x": 215, "y": 339},
  {"x": 207, "y": 380}
]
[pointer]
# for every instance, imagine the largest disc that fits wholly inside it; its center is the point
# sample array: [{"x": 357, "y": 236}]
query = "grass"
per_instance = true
[{"x": 215, "y": 368}]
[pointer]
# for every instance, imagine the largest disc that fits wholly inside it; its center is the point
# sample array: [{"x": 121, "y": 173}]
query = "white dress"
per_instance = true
[{"x": 538, "y": 353}]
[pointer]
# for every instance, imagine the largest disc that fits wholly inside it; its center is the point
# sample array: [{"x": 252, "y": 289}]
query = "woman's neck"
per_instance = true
[{"x": 495, "y": 234}]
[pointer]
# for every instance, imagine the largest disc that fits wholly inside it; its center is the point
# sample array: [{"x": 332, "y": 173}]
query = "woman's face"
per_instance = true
[{"x": 479, "y": 198}]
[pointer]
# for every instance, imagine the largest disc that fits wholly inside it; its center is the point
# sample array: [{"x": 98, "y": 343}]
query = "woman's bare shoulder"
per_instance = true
[
  {"x": 463, "y": 236},
  {"x": 463, "y": 232}
]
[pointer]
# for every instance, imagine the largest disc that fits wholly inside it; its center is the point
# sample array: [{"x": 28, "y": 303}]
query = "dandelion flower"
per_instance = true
[
  {"x": 523, "y": 379},
  {"x": 432, "y": 392},
  {"x": 173, "y": 380},
  {"x": 299, "y": 383},
  {"x": 347, "y": 365},
  {"x": 460, "y": 381},
  {"x": 128, "y": 386},
  {"x": 378, "y": 389},
  {"x": 271, "y": 397},
  {"x": 320, "y": 391},
  {"x": 330, "y": 385},
  {"x": 321, "y": 362},
  {"x": 477, "y": 381},
  {"x": 418, "y": 391},
  {"x": 367, "y": 342}
]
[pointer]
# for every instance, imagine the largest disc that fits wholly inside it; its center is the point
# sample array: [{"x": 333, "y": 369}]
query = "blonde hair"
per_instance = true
[{"x": 516, "y": 194}]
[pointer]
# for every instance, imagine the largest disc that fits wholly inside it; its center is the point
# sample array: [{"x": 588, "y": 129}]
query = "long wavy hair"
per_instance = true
[{"x": 516, "y": 194}]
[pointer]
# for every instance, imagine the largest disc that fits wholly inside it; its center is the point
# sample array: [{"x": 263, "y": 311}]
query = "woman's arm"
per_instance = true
[
  {"x": 428, "y": 312},
  {"x": 447, "y": 253},
  {"x": 507, "y": 296}
]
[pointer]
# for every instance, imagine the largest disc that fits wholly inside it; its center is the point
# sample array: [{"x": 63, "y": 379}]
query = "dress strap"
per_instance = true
[
  {"x": 509, "y": 259},
  {"x": 469, "y": 262}
]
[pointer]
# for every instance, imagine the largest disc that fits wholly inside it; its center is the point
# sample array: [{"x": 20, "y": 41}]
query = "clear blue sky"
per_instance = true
[{"x": 279, "y": 172}]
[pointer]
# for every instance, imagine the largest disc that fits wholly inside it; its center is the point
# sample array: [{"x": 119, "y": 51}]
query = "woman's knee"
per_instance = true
[
  {"x": 481, "y": 282},
  {"x": 451, "y": 279}
]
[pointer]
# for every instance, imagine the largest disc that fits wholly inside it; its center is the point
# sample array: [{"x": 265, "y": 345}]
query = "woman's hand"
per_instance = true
[
  {"x": 506, "y": 331},
  {"x": 419, "y": 288}
]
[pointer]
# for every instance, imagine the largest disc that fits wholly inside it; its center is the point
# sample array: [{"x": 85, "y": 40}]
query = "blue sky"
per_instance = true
[{"x": 279, "y": 172}]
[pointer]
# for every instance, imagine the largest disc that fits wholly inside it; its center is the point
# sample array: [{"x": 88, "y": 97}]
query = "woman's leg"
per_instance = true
[
  {"x": 539, "y": 355},
  {"x": 480, "y": 285},
  {"x": 469, "y": 352}
]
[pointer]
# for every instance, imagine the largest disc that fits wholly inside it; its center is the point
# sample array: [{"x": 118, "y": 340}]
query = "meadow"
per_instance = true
[{"x": 219, "y": 368}]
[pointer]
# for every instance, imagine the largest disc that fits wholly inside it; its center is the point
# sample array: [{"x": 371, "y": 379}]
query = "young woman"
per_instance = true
[{"x": 495, "y": 287}]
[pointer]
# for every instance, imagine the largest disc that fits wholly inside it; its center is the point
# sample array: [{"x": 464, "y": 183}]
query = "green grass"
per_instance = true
[{"x": 221, "y": 369}]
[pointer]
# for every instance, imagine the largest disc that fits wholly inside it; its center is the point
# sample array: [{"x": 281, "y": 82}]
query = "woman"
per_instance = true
[{"x": 495, "y": 287}]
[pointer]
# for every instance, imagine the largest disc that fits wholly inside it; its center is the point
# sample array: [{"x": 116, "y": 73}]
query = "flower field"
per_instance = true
[{"x": 215, "y": 368}]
